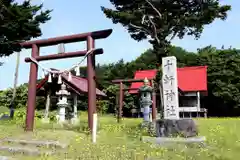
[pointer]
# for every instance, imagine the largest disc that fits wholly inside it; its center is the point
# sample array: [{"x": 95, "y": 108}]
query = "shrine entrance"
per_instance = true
[{"x": 89, "y": 53}]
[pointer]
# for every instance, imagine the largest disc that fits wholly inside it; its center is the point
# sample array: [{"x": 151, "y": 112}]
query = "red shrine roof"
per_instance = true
[
  {"x": 78, "y": 84},
  {"x": 192, "y": 78},
  {"x": 150, "y": 74},
  {"x": 189, "y": 78}
]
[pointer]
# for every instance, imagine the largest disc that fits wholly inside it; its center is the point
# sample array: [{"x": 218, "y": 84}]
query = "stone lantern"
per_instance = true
[
  {"x": 62, "y": 102},
  {"x": 145, "y": 92}
]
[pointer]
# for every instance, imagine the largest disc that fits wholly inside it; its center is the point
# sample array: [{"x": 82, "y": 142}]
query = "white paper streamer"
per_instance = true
[
  {"x": 59, "y": 79},
  {"x": 49, "y": 78},
  {"x": 69, "y": 76},
  {"x": 77, "y": 69}
]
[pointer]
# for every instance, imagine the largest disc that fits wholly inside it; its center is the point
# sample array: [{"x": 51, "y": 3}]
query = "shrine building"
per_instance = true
[
  {"x": 77, "y": 87},
  {"x": 192, "y": 84}
]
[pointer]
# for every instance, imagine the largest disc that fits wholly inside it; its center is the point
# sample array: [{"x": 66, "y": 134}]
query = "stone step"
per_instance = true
[
  {"x": 166, "y": 140},
  {"x": 24, "y": 150},
  {"x": 55, "y": 144},
  {"x": 5, "y": 158}
]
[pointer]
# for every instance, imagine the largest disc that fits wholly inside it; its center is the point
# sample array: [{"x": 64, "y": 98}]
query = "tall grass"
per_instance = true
[{"x": 122, "y": 141}]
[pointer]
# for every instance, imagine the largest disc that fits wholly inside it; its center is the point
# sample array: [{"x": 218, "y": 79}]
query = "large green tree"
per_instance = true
[
  {"x": 223, "y": 79},
  {"x": 162, "y": 20},
  {"x": 18, "y": 23}
]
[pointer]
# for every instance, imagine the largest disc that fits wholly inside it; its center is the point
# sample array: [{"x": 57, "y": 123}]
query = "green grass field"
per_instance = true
[{"x": 122, "y": 141}]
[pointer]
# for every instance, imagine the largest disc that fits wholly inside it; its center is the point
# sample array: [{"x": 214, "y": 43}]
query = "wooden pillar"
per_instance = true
[
  {"x": 75, "y": 96},
  {"x": 32, "y": 90},
  {"x": 205, "y": 113},
  {"x": 154, "y": 108},
  {"x": 198, "y": 103},
  {"x": 161, "y": 99},
  {"x": 117, "y": 104},
  {"x": 91, "y": 83},
  {"x": 120, "y": 101}
]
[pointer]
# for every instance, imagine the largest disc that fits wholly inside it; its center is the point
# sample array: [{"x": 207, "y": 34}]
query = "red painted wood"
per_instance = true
[{"x": 32, "y": 91}]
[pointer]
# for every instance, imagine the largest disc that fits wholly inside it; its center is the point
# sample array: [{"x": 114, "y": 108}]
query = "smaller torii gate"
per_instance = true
[{"x": 121, "y": 94}]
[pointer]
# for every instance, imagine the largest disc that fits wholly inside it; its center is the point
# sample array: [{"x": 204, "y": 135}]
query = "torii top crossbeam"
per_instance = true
[
  {"x": 128, "y": 80},
  {"x": 68, "y": 39}
]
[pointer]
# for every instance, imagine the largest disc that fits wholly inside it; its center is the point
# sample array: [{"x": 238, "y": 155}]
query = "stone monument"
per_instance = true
[
  {"x": 170, "y": 88},
  {"x": 171, "y": 126},
  {"x": 62, "y": 102},
  {"x": 145, "y": 92}
]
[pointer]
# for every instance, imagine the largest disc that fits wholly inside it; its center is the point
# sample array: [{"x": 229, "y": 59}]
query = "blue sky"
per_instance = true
[{"x": 85, "y": 15}]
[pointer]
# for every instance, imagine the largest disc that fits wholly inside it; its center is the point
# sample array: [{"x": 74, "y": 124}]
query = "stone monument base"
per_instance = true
[
  {"x": 165, "y": 141},
  {"x": 176, "y": 128}
]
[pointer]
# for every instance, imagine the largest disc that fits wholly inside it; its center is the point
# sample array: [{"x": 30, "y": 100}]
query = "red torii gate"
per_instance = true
[
  {"x": 90, "y": 37},
  {"x": 121, "y": 89}
]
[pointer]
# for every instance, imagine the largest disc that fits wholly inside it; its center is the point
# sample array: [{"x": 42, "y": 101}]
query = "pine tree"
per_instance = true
[
  {"x": 18, "y": 23},
  {"x": 162, "y": 20}
]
